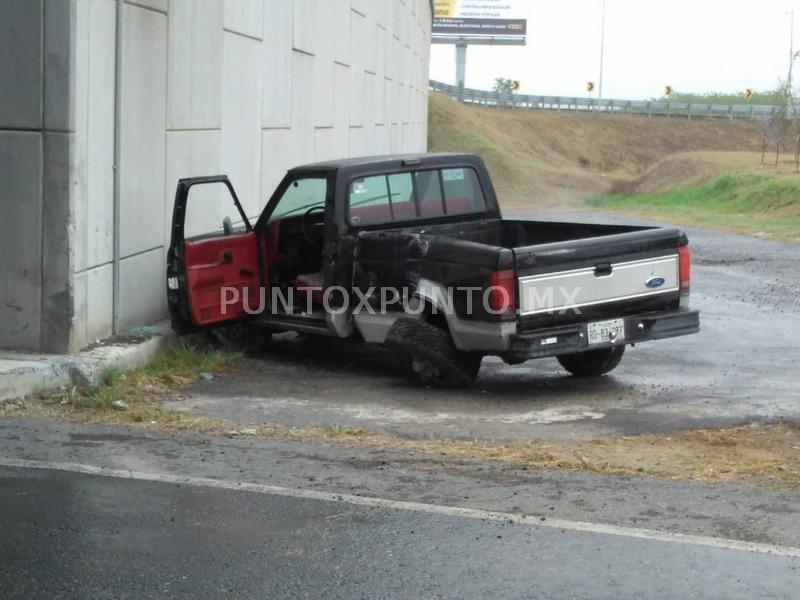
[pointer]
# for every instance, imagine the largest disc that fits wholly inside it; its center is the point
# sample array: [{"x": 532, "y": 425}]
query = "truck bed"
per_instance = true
[{"x": 603, "y": 270}]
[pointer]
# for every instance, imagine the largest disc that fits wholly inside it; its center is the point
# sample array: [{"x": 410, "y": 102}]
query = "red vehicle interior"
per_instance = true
[{"x": 220, "y": 274}]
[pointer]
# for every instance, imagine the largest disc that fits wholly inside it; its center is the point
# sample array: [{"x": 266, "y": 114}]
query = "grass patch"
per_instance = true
[
  {"x": 142, "y": 390},
  {"x": 750, "y": 204},
  {"x": 766, "y": 455}
]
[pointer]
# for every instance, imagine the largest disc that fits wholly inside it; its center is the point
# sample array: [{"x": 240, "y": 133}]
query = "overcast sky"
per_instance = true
[{"x": 693, "y": 45}]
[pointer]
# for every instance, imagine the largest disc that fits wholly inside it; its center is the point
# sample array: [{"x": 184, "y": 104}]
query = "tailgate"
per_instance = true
[{"x": 631, "y": 271}]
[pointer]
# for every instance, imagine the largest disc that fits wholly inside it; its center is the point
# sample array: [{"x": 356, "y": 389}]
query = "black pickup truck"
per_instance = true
[{"x": 412, "y": 252}]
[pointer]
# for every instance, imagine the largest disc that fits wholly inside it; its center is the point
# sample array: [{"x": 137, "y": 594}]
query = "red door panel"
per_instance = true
[{"x": 221, "y": 273}]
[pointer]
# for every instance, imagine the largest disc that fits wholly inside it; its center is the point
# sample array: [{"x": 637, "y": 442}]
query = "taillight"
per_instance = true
[
  {"x": 503, "y": 292},
  {"x": 684, "y": 267}
]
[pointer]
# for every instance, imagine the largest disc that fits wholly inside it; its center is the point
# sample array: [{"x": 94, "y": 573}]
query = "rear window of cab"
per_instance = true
[{"x": 411, "y": 195}]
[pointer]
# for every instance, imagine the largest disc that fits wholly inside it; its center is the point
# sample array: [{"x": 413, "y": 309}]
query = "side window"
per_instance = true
[
  {"x": 368, "y": 201},
  {"x": 207, "y": 206},
  {"x": 414, "y": 194},
  {"x": 429, "y": 190},
  {"x": 301, "y": 195},
  {"x": 401, "y": 188},
  {"x": 462, "y": 191}
]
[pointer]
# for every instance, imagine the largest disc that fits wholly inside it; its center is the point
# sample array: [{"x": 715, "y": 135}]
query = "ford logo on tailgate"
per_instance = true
[{"x": 655, "y": 282}]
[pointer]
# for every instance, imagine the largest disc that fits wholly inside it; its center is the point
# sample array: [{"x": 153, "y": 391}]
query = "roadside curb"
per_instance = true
[{"x": 23, "y": 374}]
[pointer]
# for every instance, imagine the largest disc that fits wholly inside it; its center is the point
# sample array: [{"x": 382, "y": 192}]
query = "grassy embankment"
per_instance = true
[
  {"x": 701, "y": 172},
  {"x": 550, "y": 159},
  {"x": 761, "y": 205}
]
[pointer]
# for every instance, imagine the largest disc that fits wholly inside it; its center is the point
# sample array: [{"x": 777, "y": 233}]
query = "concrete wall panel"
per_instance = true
[
  {"x": 142, "y": 291},
  {"x": 21, "y": 64},
  {"x": 279, "y": 153},
  {"x": 159, "y": 5},
  {"x": 324, "y": 144},
  {"x": 369, "y": 41},
  {"x": 380, "y": 139},
  {"x": 339, "y": 29},
  {"x": 341, "y": 108},
  {"x": 362, "y": 6},
  {"x": 397, "y": 10},
  {"x": 382, "y": 39},
  {"x": 98, "y": 302},
  {"x": 304, "y": 26},
  {"x": 189, "y": 154},
  {"x": 361, "y": 141},
  {"x": 370, "y": 103},
  {"x": 358, "y": 27},
  {"x": 20, "y": 239},
  {"x": 245, "y": 17},
  {"x": 324, "y": 51},
  {"x": 241, "y": 118},
  {"x": 395, "y": 138},
  {"x": 382, "y": 10},
  {"x": 58, "y": 247},
  {"x": 276, "y": 64},
  {"x": 302, "y": 105},
  {"x": 79, "y": 164},
  {"x": 99, "y": 222},
  {"x": 143, "y": 125},
  {"x": 195, "y": 64},
  {"x": 59, "y": 59}
]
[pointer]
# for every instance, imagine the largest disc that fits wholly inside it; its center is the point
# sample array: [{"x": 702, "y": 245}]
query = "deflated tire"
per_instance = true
[{"x": 428, "y": 352}]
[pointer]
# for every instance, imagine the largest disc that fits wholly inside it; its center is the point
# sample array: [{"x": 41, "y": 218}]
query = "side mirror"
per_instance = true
[{"x": 227, "y": 226}]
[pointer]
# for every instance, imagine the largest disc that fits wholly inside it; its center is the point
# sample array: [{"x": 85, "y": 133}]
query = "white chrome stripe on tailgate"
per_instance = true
[{"x": 551, "y": 292}]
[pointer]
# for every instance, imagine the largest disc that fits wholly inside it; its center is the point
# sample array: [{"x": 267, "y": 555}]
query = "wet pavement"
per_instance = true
[
  {"x": 109, "y": 512},
  {"x": 739, "y": 368},
  {"x": 115, "y": 538}
]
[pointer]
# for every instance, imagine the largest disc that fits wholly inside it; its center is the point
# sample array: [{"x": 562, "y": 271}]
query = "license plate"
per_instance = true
[{"x": 603, "y": 332}]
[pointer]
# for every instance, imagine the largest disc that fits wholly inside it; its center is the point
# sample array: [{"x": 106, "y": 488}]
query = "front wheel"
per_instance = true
[
  {"x": 592, "y": 363},
  {"x": 429, "y": 353}
]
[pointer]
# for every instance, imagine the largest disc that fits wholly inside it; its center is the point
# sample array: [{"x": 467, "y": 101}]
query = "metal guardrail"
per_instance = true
[{"x": 613, "y": 106}]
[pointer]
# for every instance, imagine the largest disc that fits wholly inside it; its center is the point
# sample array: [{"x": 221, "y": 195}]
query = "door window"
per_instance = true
[
  {"x": 302, "y": 195},
  {"x": 211, "y": 211}
]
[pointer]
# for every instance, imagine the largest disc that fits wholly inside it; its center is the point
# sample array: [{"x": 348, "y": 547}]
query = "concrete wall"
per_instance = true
[
  {"x": 243, "y": 87},
  {"x": 36, "y": 130}
]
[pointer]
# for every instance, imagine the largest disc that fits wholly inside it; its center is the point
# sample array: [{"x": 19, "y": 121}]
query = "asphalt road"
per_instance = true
[
  {"x": 740, "y": 368},
  {"x": 91, "y": 511},
  {"x": 80, "y": 536}
]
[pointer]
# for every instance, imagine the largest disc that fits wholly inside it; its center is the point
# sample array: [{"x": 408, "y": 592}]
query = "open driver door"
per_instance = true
[{"x": 212, "y": 277}]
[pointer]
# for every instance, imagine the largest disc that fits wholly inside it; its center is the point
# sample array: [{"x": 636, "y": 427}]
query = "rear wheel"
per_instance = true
[
  {"x": 592, "y": 363},
  {"x": 428, "y": 352}
]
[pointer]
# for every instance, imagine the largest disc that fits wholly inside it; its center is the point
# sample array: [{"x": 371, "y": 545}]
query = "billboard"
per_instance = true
[{"x": 479, "y": 17}]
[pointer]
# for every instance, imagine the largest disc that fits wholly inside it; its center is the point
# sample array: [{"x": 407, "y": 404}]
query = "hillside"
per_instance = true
[{"x": 548, "y": 159}]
